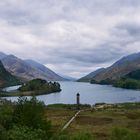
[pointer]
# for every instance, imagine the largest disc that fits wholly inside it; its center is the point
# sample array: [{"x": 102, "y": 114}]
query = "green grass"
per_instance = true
[{"x": 69, "y": 106}]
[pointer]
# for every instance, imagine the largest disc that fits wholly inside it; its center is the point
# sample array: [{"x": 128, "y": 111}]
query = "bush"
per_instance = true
[
  {"x": 31, "y": 113},
  {"x": 3, "y": 134},
  {"x": 6, "y": 112},
  {"x": 26, "y": 133},
  {"x": 24, "y": 120}
]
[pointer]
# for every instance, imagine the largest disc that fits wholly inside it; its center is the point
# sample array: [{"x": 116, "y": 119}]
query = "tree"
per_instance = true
[{"x": 42, "y": 86}]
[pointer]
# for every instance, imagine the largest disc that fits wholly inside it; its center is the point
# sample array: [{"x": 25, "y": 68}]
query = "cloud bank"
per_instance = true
[{"x": 72, "y": 37}]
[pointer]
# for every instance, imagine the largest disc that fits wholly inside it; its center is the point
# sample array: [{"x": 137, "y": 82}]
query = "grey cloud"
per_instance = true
[
  {"x": 72, "y": 37},
  {"x": 132, "y": 29},
  {"x": 101, "y": 54}
]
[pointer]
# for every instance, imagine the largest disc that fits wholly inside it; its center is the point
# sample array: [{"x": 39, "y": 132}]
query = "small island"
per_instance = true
[{"x": 35, "y": 87}]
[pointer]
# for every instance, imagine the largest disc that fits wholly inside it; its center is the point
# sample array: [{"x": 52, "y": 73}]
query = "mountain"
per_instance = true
[
  {"x": 88, "y": 77},
  {"x": 127, "y": 59},
  {"x": 120, "y": 68},
  {"x": 22, "y": 69},
  {"x": 2, "y": 55},
  {"x": 6, "y": 79},
  {"x": 43, "y": 69}
]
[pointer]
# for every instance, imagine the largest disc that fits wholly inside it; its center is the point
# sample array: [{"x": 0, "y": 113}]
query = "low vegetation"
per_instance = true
[
  {"x": 109, "y": 123},
  {"x": 69, "y": 106},
  {"x": 27, "y": 119},
  {"x": 32, "y": 120}
]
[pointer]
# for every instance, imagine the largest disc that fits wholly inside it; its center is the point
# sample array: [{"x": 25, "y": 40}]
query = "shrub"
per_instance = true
[
  {"x": 6, "y": 112},
  {"x": 31, "y": 113},
  {"x": 26, "y": 133},
  {"x": 3, "y": 134}
]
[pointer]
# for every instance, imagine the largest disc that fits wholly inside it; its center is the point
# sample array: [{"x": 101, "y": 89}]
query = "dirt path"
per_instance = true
[{"x": 71, "y": 120}]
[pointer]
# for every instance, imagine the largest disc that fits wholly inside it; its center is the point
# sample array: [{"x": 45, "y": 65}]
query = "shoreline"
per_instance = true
[{"x": 27, "y": 93}]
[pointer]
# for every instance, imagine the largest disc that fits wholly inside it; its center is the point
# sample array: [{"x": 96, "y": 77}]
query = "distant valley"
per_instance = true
[{"x": 88, "y": 77}]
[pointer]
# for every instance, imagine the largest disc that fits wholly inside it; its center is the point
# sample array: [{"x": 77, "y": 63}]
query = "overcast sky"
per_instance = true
[{"x": 72, "y": 37}]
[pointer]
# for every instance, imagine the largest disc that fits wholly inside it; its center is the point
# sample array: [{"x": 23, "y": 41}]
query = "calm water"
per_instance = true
[
  {"x": 89, "y": 94},
  {"x": 13, "y": 88}
]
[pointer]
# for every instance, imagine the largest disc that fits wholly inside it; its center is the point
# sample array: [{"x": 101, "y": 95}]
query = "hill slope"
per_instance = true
[
  {"x": 134, "y": 75},
  {"x": 21, "y": 69},
  {"x": 88, "y": 77},
  {"x": 2, "y": 55},
  {"x": 28, "y": 69},
  {"x": 49, "y": 73},
  {"x": 129, "y": 81},
  {"x": 6, "y": 79},
  {"x": 120, "y": 68}
]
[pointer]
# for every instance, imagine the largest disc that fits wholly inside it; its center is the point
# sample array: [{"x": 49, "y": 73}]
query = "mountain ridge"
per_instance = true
[
  {"x": 44, "y": 69},
  {"x": 118, "y": 69},
  {"x": 25, "y": 71}
]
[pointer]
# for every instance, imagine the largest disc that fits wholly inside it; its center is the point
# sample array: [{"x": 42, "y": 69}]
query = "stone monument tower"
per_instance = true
[{"x": 78, "y": 101}]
